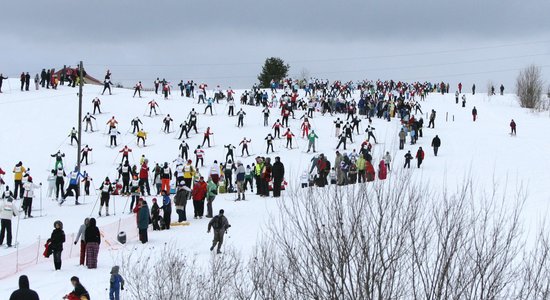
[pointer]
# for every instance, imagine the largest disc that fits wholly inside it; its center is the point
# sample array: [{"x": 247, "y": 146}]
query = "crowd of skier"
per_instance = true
[{"x": 172, "y": 184}]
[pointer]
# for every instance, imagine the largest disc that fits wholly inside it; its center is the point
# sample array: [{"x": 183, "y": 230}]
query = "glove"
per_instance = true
[
  {"x": 122, "y": 287},
  {"x": 75, "y": 242},
  {"x": 208, "y": 231},
  {"x": 41, "y": 184}
]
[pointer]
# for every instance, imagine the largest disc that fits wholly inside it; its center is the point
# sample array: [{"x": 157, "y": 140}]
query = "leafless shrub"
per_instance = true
[{"x": 529, "y": 87}]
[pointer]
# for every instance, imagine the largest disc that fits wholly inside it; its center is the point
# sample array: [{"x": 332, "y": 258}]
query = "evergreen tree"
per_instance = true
[{"x": 274, "y": 68}]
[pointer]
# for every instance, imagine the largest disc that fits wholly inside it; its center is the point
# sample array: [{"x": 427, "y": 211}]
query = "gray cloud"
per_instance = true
[{"x": 226, "y": 41}]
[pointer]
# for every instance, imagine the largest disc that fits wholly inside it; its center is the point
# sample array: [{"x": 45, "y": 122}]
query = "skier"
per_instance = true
[
  {"x": 107, "y": 85},
  {"x": 184, "y": 148},
  {"x": 408, "y": 158},
  {"x": 474, "y": 113},
  {"x": 8, "y": 210},
  {"x": 348, "y": 131},
  {"x": 370, "y": 133},
  {"x": 192, "y": 120},
  {"x": 501, "y": 89},
  {"x": 112, "y": 123},
  {"x": 420, "y": 156},
  {"x": 464, "y": 100},
  {"x": 342, "y": 139},
  {"x": 431, "y": 124},
  {"x": 58, "y": 159},
  {"x": 18, "y": 172},
  {"x": 220, "y": 225},
  {"x": 231, "y": 110},
  {"x": 288, "y": 134},
  {"x": 305, "y": 128},
  {"x": 125, "y": 151},
  {"x": 207, "y": 135},
  {"x": 473, "y": 89},
  {"x": 184, "y": 128},
  {"x": 137, "y": 89},
  {"x": 244, "y": 148},
  {"x": 144, "y": 178},
  {"x": 141, "y": 135},
  {"x": 106, "y": 188},
  {"x": 153, "y": 106},
  {"x": 266, "y": 113},
  {"x": 513, "y": 127},
  {"x": 135, "y": 123},
  {"x": 166, "y": 90},
  {"x": 240, "y": 115},
  {"x": 166, "y": 122},
  {"x": 73, "y": 134},
  {"x": 199, "y": 156},
  {"x": 156, "y": 83},
  {"x": 209, "y": 103},
  {"x": 457, "y": 95},
  {"x": 96, "y": 102},
  {"x": 269, "y": 138},
  {"x": 88, "y": 120},
  {"x": 311, "y": 137},
  {"x": 87, "y": 180},
  {"x": 230, "y": 149},
  {"x": 338, "y": 124},
  {"x": 125, "y": 171},
  {"x": 277, "y": 129},
  {"x": 74, "y": 180},
  {"x": 113, "y": 133},
  {"x": 436, "y": 143},
  {"x": 355, "y": 124},
  {"x": 460, "y": 87},
  {"x": 1, "y": 81}
]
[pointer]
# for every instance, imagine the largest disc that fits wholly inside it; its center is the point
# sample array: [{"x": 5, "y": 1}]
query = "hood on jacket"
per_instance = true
[
  {"x": 92, "y": 222},
  {"x": 114, "y": 270},
  {"x": 24, "y": 282},
  {"x": 58, "y": 222}
]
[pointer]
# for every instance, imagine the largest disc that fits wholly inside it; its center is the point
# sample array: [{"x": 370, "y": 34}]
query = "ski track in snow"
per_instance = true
[{"x": 35, "y": 123}]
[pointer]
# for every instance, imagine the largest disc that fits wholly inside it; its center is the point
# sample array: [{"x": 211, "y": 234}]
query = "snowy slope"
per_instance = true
[{"x": 35, "y": 124}]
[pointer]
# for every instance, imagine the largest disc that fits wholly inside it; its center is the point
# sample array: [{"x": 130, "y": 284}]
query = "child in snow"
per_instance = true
[{"x": 116, "y": 284}]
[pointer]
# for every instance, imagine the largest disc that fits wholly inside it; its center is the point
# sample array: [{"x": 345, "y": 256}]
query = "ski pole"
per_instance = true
[
  {"x": 114, "y": 205},
  {"x": 41, "y": 200},
  {"x": 95, "y": 204}
]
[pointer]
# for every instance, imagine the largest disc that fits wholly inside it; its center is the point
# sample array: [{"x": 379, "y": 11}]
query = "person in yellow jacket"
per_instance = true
[
  {"x": 188, "y": 173},
  {"x": 258, "y": 172},
  {"x": 18, "y": 172},
  {"x": 141, "y": 135}
]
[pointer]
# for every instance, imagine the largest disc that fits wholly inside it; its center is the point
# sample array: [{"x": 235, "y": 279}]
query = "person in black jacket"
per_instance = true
[
  {"x": 436, "y": 143},
  {"x": 24, "y": 292},
  {"x": 93, "y": 239},
  {"x": 56, "y": 243},
  {"x": 1, "y": 81},
  {"x": 79, "y": 291},
  {"x": 27, "y": 81},
  {"x": 278, "y": 173}
]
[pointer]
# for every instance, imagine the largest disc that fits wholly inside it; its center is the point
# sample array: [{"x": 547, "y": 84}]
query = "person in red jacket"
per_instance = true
[
  {"x": 305, "y": 128},
  {"x": 419, "y": 156},
  {"x": 125, "y": 151},
  {"x": 199, "y": 194},
  {"x": 207, "y": 135},
  {"x": 369, "y": 170},
  {"x": 144, "y": 178},
  {"x": 288, "y": 134},
  {"x": 382, "y": 170}
]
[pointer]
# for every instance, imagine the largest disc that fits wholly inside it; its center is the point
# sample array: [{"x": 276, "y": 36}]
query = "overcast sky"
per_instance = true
[{"x": 225, "y": 42}]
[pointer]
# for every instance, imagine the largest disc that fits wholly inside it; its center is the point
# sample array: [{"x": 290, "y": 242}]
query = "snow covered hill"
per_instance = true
[{"x": 36, "y": 124}]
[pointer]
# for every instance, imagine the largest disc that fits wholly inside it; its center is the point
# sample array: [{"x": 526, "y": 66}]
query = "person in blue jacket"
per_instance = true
[
  {"x": 166, "y": 208},
  {"x": 74, "y": 180}
]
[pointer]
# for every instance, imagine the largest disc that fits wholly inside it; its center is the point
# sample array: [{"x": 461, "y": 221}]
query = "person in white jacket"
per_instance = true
[
  {"x": 214, "y": 172},
  {"x": 8, "y": 210},
  {"x": 28, "y": 195},
  {"x": 387, "y": 160},
  {"x": 51, "y": 185}
]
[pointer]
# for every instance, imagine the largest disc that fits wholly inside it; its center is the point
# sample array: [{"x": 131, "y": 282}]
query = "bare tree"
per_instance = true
[{"x": 529, "y": 87}]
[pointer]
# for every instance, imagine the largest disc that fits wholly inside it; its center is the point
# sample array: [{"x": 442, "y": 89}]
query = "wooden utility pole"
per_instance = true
[{"x": 81, "y": 85}]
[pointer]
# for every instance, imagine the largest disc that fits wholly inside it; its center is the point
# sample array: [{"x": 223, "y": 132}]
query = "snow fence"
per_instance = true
[{"x": 32, "y": 254}]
